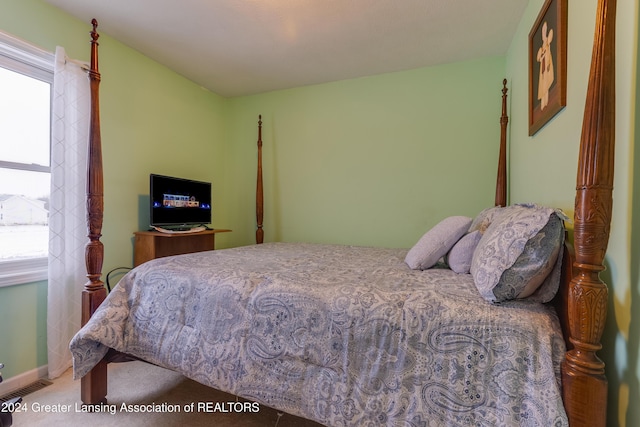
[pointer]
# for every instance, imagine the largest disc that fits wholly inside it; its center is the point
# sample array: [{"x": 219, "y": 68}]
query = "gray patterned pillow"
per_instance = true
[
  {"x": 483, "y": 220},
  {"x": 460, "y": 256},
  {"x": 520, "y": 255},
  {"x": 435, "y": 243}
]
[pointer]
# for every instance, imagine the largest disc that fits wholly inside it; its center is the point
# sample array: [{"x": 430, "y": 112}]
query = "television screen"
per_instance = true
[{"x": 178, "y": 201}]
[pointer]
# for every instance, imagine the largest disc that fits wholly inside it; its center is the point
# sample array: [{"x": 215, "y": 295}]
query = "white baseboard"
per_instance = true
[{"x": 14, "y": 383}]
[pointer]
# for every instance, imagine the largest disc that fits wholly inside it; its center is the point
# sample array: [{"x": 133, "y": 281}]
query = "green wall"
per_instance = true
[
  {"x": 543, "y": 169},
  {"x": 371, "y": 161},
  {"x": 23, "y": 328}
]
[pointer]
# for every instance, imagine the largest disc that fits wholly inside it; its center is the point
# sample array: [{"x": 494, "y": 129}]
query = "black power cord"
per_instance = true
[{"x": 115, "y": 270}]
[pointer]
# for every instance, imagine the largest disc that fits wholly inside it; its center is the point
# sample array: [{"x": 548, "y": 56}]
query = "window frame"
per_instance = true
[{"x": 22, "y": 57}]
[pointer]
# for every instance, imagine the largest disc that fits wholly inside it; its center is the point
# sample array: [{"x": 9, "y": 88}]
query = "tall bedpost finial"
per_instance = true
[
  {"x": 588, "y": 295},
  {"x": 259, "y": 191},
  {"x": 94, "y": 49},
  {"x": 501, "y": 181}
]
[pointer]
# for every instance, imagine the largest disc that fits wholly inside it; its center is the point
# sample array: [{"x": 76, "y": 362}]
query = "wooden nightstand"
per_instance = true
[{"x": 149, "y": 245}]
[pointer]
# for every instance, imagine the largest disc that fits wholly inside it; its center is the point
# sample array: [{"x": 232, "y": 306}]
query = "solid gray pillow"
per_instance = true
[
  {"x": 460, "y": 256},
  {"x": 435, "y": 243}
]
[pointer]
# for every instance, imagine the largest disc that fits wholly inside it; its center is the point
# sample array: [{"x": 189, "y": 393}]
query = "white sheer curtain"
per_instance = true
[{"x": 67, "y": 224}]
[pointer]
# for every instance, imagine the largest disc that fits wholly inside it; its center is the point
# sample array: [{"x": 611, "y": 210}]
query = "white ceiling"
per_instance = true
[{"x": 241, "y": 47}]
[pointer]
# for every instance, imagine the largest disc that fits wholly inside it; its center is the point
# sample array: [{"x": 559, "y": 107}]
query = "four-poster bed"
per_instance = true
[{"x": 580, "y": 304}]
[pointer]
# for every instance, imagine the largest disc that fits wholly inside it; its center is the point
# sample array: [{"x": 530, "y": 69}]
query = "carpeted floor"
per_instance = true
[{"x": 138, "y": 385}]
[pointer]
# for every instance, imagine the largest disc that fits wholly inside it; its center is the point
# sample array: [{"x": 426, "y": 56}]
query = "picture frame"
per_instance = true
[{"x": 547, "y": 64}]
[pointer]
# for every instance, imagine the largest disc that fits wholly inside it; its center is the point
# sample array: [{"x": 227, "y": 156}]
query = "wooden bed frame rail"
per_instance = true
[{"x": 582, "y": 305}]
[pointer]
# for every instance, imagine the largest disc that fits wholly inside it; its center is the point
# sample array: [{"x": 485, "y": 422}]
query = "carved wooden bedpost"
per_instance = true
[
  {"x": 93, "y": 387},
  {"x": 501, "y": 182},
  {"x": 582, "y": 371},
  {"x": 259, "y": 195}
]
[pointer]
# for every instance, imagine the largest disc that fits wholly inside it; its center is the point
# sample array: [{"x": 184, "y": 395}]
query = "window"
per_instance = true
[{"x": 26, "y": 79}]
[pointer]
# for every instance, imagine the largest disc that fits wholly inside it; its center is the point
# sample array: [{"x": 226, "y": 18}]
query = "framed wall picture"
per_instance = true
[{"x": 547, "y": 64}]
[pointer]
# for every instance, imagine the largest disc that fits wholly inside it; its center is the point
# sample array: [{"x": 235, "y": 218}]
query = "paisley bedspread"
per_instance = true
[{"x": 346, "y": 336}]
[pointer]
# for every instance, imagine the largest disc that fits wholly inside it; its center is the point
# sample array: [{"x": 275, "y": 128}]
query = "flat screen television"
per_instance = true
[{"x": 178, "y": 202}]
